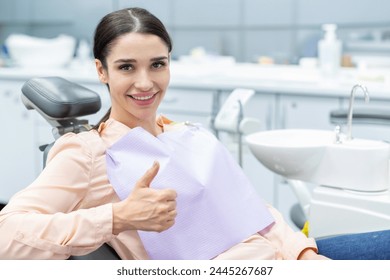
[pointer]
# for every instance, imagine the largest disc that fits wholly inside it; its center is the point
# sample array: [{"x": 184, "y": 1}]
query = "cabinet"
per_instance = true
[
  {"x": 306, "y": 112},
  {"x": 18, "y": 150}
]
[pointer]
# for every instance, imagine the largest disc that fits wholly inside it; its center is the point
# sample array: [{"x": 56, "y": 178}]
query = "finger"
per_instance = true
[
  {"x": 170, "y": 194},
  {"x": 173, "y": 214},
  {"x": 171, "y": 206},
  {"x": 170, "y": 223},
  {"x": 147, "y": 178}
]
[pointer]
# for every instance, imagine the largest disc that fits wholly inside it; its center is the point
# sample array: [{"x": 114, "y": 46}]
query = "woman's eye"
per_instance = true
[
  {"x": 126, "y": 67},
  {"x": 158, "y": 64}
]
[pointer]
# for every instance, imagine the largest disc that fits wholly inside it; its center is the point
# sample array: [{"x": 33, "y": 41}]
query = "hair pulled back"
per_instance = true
[{"x": 124, "y": 21}]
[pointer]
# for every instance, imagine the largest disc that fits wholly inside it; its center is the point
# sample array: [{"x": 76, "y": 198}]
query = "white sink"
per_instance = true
[
  {"x": 32, "y": 52},
  {"x": 313, "y": 156}
]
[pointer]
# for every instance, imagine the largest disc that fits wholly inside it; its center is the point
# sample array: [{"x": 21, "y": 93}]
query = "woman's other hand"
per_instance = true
[
  {"x": 310, "y": 254},
  {"x": 145, "y": 208}
]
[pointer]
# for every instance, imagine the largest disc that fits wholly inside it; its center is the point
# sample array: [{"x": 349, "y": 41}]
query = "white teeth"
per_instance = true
[{"x": 141, "y": 97}]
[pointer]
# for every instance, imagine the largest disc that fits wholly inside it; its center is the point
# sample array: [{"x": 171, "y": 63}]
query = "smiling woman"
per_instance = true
[
  {"x": 137, "y": 72},
  {"x": 149, "y": 187},
  {"x": 133, "y": 60}
]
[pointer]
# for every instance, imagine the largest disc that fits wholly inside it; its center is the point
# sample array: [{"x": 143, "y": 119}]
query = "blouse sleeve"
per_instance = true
[
  {"x": 40, "y": 222},
  {"x": 290, "y": 242}
]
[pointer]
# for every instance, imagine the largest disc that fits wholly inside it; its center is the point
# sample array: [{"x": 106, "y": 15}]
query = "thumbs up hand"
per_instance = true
[
  {"x": 145, "y": 208},
  {"x": 147, "y": 178}
]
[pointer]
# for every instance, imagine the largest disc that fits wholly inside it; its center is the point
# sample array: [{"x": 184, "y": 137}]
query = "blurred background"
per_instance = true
[{"x": 249, "y": 30}]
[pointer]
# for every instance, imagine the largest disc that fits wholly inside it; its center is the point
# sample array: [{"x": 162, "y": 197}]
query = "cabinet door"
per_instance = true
[
  {"x": 18, "y": 149},
  {"x": 306, "y": 112}
]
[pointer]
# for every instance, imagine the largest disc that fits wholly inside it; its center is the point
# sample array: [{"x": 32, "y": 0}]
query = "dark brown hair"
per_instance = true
[{"x": 119, "y": 23}]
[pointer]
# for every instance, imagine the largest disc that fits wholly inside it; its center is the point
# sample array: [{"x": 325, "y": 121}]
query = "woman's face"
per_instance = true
[{"x": 138, "y": 75}]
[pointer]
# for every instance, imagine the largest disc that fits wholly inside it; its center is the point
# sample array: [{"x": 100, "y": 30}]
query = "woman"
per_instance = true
[{"x": 65, "y": 213}]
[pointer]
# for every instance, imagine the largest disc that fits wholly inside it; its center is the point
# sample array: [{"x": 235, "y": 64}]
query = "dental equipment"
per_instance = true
[
  {"x": 351, "y": 99},
  {"x": 230, "y": 118},
  {"x": 341, "y": 186}
]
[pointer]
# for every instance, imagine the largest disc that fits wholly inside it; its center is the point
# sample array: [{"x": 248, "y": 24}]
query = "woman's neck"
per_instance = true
[{"x": 154, "y": 125}]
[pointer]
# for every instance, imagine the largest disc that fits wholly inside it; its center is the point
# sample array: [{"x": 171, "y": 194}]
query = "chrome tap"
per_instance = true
[
  {"x": 366, "y": 99},
  {"x": 338, "y": 138}
]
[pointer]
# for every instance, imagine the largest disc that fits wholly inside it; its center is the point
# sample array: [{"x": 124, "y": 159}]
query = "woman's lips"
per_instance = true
[{"x": 143, "y": 99}]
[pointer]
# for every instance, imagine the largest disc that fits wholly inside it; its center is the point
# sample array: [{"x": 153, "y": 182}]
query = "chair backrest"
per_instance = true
[{"x": 61, "y": 102}]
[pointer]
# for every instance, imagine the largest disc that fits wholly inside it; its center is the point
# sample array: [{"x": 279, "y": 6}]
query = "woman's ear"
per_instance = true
[{"x": 101, "y": 71}]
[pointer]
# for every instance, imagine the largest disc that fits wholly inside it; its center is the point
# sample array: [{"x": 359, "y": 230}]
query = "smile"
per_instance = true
[{"x": 142, "y": 98}]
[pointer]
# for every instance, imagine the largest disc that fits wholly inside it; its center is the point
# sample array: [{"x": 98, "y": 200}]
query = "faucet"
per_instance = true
[{"x": 366, "y": 99}]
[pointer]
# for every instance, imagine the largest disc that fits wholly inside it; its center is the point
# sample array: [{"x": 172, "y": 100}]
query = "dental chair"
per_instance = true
[{"x": 61, "y": 103}]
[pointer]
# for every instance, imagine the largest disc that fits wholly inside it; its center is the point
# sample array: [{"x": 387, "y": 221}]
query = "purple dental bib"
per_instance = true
[{"x": 216, "y": 204}]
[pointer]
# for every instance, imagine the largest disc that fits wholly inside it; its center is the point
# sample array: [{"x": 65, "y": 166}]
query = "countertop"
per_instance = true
[{"x": 274, "y": 79}]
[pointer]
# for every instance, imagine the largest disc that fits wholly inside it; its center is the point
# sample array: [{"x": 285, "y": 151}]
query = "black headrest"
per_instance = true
[{"x": 59, "y": 99}]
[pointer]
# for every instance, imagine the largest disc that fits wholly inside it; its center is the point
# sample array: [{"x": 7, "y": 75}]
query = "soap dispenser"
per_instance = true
[{"x": 329, "y": 51}]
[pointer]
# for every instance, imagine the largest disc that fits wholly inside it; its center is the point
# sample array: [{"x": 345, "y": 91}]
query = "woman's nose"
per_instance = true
[{"x": 143, "y": 81}]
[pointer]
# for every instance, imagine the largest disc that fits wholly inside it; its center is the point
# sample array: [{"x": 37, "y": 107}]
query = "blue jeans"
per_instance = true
[{"x": 359, "y": 246}]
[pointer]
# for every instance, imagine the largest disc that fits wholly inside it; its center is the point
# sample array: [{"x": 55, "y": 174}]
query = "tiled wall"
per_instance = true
[{"x": 246, "y": 29}]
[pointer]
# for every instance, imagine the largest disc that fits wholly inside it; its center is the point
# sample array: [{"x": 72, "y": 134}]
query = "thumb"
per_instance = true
[{"x": 147, "y": 178}]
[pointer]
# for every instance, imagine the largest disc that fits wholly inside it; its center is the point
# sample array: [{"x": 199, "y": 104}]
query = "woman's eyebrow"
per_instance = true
[
  {"x": 125, "y": 60},
  {"x": 159, "y": 58},
  {"x": 131, "y": 60}
]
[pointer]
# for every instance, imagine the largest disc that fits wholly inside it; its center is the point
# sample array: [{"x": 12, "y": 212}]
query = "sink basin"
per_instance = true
[
  {"x": 290, "y": 153},
  {"x": 33, "y": 52},
  {"x": 313, "y": 156}
]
